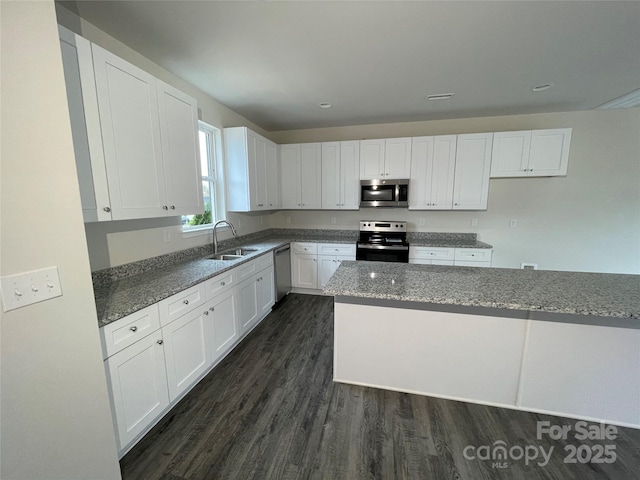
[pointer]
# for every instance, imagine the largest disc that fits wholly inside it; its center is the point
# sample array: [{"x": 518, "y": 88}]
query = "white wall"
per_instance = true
[
  {"x": 55, "y": 416},
  {"x": 120, "y": 242},
  {"x": 586, "y": 221}
]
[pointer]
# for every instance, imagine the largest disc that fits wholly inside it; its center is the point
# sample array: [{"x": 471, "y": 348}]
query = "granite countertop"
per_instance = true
[
  {"x": 445, "y": 240},
  {"x": 126, "y": 289},
  {"x": 576, "y": 293}
]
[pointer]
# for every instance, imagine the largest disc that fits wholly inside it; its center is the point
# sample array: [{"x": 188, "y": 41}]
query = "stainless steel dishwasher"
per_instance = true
[{"x": 282, "y": 261}]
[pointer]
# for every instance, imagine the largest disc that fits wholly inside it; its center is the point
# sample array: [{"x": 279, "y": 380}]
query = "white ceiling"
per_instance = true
[{"x": 375, "y": 62}]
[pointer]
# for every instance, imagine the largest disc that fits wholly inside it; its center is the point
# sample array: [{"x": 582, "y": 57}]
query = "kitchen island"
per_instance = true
[{"x": 563, "y": 343}]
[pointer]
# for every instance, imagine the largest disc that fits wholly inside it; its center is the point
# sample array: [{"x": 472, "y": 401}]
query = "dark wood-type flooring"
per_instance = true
[{"x": 271, "y": 410}]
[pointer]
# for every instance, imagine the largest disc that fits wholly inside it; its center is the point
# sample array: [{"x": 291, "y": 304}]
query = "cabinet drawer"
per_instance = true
[
  {"x": 220, "y": 283},
  {"x": 431, "y": 253},
  {"x": 473, "y": 254},
  {"x": 344, "y": 249},
  {"x": 128, "y": 330},
  {"x": 462, "y": 263},
  {"x": 304, "y": 247},
  {"x": 181, "y": 303},
  {"x": 264, "y": 261}
]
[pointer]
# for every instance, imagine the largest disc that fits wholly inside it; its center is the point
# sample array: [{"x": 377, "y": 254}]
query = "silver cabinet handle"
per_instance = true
[
  {"x": 337, "y": 250},
  {"x": 173, "y": 207},
  {"x": 222, "y": 283},
  {"x": 206, "y": 312},
  {"x": 212, "y": 308},
  {"x": 107, "y": 209},
  {"x": 164, "y": 207},
  {"x": 134, "y": 329},
  {"x": 261, "y": 204},
  {"x": 160, "y": 342},
  {"x": 186, "y": 302}
]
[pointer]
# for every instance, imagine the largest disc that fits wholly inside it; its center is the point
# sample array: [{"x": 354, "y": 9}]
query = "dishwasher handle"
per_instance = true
[{"x": 282, "y": 250}]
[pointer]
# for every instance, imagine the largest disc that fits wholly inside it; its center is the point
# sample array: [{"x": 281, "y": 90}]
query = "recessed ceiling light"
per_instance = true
[
  {"x": 325, "y": 105},
  {"x": 440, "y": 96},
  {"x": 543, "y": 87}
]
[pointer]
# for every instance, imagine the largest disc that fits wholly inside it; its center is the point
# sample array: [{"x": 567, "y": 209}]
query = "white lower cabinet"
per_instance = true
[
  {"x": 460, "y": 257},
  {"x": 187, "y": 352},
  {"x": 255, "y": 297},
  {"x": 154, "y": 356},
  {"x": 223, "y": 323},
  {"x": 138, "y": 386},
  {"x": 313, "y": 264},
  {"x": 327, "y": 266}
]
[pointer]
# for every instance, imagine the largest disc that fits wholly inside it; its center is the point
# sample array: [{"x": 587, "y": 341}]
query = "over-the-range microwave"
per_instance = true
[{"x": 384, "y": 193}]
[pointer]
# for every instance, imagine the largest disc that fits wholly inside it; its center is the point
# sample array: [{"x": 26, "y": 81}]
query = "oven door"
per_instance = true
[
  {"x": 382, "y": 253},
  {"x": 374, "y": 194}
]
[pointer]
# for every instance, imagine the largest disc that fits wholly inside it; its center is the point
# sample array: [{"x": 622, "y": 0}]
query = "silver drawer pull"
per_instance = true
[
  {"x": 212, "y": 308},
  {"x": 134, "y": 329},
  {"x": 160, "y": 342},
  {"x": 222, "y": 283},
  {"x": 206, "y": 312},
  {"x": 186, "y": 302}
]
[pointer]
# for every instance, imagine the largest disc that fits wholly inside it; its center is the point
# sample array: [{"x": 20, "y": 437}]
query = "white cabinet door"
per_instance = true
[
  {"x": 473, "y": 163},
  {"x": 187, "y": 352},
  {"x": 443, "y": 172},
  {"x": 341, "y": 175},
  {"x": 290, "y": 176},
  {"x": 272, "y": 176},
  {"x": 350, "y": 175},
  {"x": 372, "y": 159},
  {"x": 77, "y": 61},
  {"x": 397, "y": 158},
  {"x": 327, "y": 265},
  {"x": 257, "y": 170},
  {"x": 310, "y": 183},
  {"x": 304, "y": 270},
  {"x": 549, "y": 154},
  {"x": 266, "y": 291},
  {"x": 181, "y": 161},
  {"x": 248, "y": 308},
  {"x": 331, "y": 176},
  {"x": 128, "y": 105},
  {"x": 223, "y": 322},
  {"x": 138, "y": 385},
  {"x": 432, "y": 172},
  {"x": 510, "y": 155}
]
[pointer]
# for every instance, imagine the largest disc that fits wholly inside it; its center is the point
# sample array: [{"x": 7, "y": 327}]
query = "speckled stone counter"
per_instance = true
[
  {"x": 595, "y": 294},
  {"x": 125, "y": 289},
  {"x": 456, "y": 240}
]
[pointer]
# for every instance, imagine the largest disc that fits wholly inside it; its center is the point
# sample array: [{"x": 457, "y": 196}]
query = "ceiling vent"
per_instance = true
[
  {"x": 631, "y": 99},
  {"x": 440, "y": 96}
]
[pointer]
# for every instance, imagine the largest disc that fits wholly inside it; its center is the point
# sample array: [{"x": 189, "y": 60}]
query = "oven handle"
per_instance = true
[{"x": 383, "y": 247}]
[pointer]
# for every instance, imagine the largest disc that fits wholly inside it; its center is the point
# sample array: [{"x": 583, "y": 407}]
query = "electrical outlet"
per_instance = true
[
  {"x": 167, "y": 235},
  {"x": 333, "y": 220},
  {"x": 513, "y": 223},
  {"x": 287, "y": 219},
  {"x": 27, "y": 288},
  {"x": 474, "y": 222},
  {"x": 422, "y": 222}
]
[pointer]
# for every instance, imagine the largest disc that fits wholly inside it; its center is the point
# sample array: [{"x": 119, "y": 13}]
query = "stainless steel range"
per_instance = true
[{"x": 382, "y": 241}]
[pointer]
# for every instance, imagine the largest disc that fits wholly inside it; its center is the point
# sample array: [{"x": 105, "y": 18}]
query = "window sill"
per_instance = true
[{"x": 197, "y": 231}]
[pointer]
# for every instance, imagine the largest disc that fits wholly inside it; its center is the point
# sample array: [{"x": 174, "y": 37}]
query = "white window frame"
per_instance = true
[{"x": 215, "y": 176}]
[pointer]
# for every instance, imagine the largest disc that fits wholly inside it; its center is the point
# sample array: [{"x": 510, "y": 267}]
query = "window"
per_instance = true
[{"x": 209, "y": 145}]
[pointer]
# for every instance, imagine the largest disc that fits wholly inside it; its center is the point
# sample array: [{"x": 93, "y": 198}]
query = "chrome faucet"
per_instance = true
[{"x": 215, "y": 238}]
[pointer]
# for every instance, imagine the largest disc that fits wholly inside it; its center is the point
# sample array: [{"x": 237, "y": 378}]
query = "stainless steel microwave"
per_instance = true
[{"x": 384, "y": 193}]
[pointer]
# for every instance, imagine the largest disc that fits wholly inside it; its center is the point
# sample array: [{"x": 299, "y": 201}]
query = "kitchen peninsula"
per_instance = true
[{"x": 562, "y": 343}]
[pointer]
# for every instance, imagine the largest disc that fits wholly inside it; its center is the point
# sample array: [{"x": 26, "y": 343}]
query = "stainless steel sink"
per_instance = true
[
  {"x": 233, "y": 254},
  {"x": 224, "y": 256}
]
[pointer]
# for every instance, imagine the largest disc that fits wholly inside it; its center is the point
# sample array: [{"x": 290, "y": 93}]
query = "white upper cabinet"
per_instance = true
[
  {"x": 385, "y": 158},
  {"x": 471, "y": 178},
  {"x": 301, "y": 176},
  {"x": 531, "y": 153},
  {"x": 135, "y": 138},
  {"x": 252, "y": 171},
  {"x": 433, "y": 162},
  {"x": 340, "y": 175},
  {"x": 180, "y": 154}
]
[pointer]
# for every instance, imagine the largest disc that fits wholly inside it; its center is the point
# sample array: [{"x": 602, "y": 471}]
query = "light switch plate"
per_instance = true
[{"x": 28, "y": 288}]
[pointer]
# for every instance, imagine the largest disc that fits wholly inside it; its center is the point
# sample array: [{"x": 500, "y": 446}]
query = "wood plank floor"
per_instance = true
[{"x": 270, "y": 410}]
